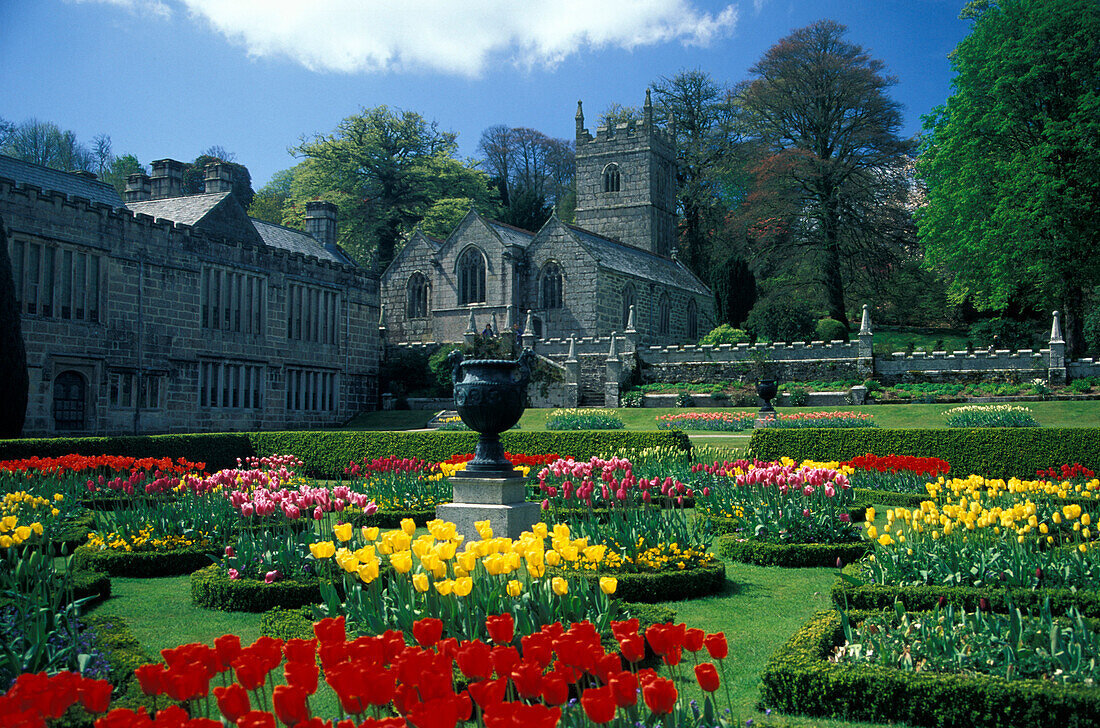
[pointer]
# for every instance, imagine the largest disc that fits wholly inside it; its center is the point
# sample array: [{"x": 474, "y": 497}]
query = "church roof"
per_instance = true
[
  {"x": 637, "y": 262},
  {"x": 55, "y": 180},
  {"x": 297, "y": 241},
  {"x": 510, "y": 234},
  {"x": 188, "y": 209}
]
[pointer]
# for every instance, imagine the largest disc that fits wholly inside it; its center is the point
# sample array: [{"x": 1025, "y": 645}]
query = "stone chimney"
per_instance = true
[
  {"x": 321, "y": 222},
  {"x": 218, "y": 178},
  {"x": 138, "y": 188},
  {"x": 167, "y": 179}
]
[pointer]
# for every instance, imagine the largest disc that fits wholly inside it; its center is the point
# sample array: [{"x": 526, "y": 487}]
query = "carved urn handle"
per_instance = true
[
  {"x": 455, "y": 360},
  {"x": 527, "y": 360}
]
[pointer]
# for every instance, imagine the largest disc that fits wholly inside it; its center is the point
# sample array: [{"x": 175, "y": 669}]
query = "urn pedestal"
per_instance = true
[
  {"x": 767, "y": 390},
  {"x": 490, "y": 396}
]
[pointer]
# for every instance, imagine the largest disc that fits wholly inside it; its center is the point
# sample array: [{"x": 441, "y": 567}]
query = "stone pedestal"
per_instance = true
[
  {"x": 859, "y": 394},
  {"x": 497, "y": 500}
]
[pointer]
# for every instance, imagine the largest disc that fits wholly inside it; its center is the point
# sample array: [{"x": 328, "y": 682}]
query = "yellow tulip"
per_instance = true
[
  {"x": 553, "y": 558},
  {"x": 872, "y": 532},
  {"x": 420, "y": 582},
  {"x": 539, "y": 529},
  {"x": 559, "y": 585},
  {"x": 5, "y": 542},
  {"x": 322, "y": 549},
  {"x": 536, "y": 570},
  {"x": 342, "y": 531},
  {"x": 444, "y": 587},
  {"x": 368, "y": 572},
  {"x": 484, "y": 530},
  {"x": 1086, "y": 519},
  {"x": 463, "y": 586},
  {"x": 608, "y": 584},
  {"x": 408, "y": 525},
  {"x": 370, "y": 534},
  {"x": 37, "y": 528},
  {"x": 514, "y": 588},
  {"x": 22, "y": 533},
  {"x": 402, "y": 562}
]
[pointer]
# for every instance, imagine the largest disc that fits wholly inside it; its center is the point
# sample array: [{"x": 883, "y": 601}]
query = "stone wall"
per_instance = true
[{"x": 148, "y": 326}]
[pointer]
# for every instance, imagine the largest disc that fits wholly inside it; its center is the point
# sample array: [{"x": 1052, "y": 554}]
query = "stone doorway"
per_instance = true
[{"x": 70, "y": 395}]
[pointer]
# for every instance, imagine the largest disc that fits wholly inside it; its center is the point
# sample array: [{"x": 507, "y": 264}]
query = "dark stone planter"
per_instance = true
[
  {"x": 489, "y": 397},
  {"x": 767, "y": 390}
]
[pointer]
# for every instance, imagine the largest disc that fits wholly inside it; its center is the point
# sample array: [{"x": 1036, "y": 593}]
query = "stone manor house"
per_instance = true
[
  {"x": 167, "y": 312},
  {"x": 615, "y": 270}
]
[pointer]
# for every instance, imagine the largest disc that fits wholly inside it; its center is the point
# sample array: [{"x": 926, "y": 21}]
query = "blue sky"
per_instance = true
[{"x": 170, "y": 78}]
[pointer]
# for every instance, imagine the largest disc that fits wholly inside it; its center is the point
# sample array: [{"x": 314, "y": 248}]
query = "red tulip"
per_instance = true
[
  {"x": 249, "y": 671},
  {"x": 330, "y": 630},
  {"x": 149, "y": 678},
  {"x": 302, "y": 675},
  {"x": 504, "y": 660},
  {"x": 290, "y": 704},
  {"x": 707, "y": 675},
  {"x": 299, "y": 650},
  {"x": 693, "y": 639},
  {"x": 488, "y": 692},
  {"x": 502, "y": 628},
  {"x": 555, "y": 689},
  {"x": 124, "y": 718},
  {"x": 427, "y": 631},
  {"x": 599, "y": 704},
  {"x": 537, "y": 648},
  {"x": 632, "y": 648},
  {"x": 473, "y": 660},
  {"x": 527, "y": 677},
  {"x": 659, "y": 695},
  {"x": 716, "y": 645},
  {"x": 95, "y": 695},
  {"x": 625, "y": 629},
  {"x": 232, "y": 701},
  {"x": 673, "y": 656},
  {"x": 227, "y": 647},
  {"x": 624, "y": 686},
  {"x": 256, "y": 719},
  {"x": 438, "y": 713}
]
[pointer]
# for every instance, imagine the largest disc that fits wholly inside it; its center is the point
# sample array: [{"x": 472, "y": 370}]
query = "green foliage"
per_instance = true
[
  {"x": 13, "y": 353},
  {"x": 1002, "y": 333},
  {"x": 390, "y": 518},
  {"x": 93, "y": 585},
  {"x": 1010, "y": 160},
  {"x": 288, "y": 624},
  {"x": 213, "y": 589},
  {"x": 724, "y": 334},
  {"x": 408, "y": 372},
  {"x": 734, "y": 291},
  {"x": 572, "y": 419},
  {"x": 797, "y": 555},
  {"x": 194, "y": 175},
  {"x": 665, "y": 586},
  {"x": 779, "y": 318},
  {"x": 850, "y": 592},
  {"x": 1092, "y": 329},
  {"x": 829, "y": 329},
  {"x": 799, "y": 396},
  {"x": 994, "y": 453},
  {"x": 142, "y": 563},
  {"x": 800, "y": 679}
]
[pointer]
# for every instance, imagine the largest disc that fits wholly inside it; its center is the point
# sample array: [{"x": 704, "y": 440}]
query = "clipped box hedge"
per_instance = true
[
  {"x": 800, "y": 679},
  {"x": 143, "y": 563},
  {"x": 790, "y": 555},
  {"x": 327, "y": 453},
  {"x": 924, "y": 597},
  {"x": 664, "y": 586},
  {"x": 211, "y": 588},
  {"x": 992, "y": 452}
]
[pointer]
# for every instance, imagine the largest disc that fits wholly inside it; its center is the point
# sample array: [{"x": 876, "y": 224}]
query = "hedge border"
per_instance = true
[
  {"x": 791, "y": 555},
  {"x": 664, "y": 586},
  {"x": 392, "y": 518},
  {"x": 922, "y": 598},
  {"x": 327, "y": 453},
  {"x": 89, "y": 583},
  {"x": 213, "y": 589},
  {"x": 993, "y": 452},
  {"x": 798, "y": 678},
  {"x": 143, "y": 564}
]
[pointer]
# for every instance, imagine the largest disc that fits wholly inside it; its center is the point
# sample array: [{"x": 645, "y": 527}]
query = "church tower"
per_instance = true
[{"x": 626, "y": 182}]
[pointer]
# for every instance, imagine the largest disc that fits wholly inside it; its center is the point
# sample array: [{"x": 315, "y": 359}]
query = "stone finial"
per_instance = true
[
  {"x": 629, "y": 320},
  {"x": 471, "y": 328},
  {"x": 613, "y": 352},
  {"x": 647, "y": 111},
  {"x": 865, "y": 325},
  {"x": 493, "y": 322},
  {"x": 529, "y": 326},
  {"x": 381, "y": 315},
  {"x": 580, "y": 120},
  {"x": 572, "y": 355},
  {"x": 1056, "y": 330}
]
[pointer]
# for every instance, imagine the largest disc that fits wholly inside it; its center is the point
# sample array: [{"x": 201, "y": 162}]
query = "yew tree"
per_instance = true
[
  {"x": 826, "y": 137},
  {"x": 1012, "y": 160},
  {"x": 13, "y": 353}
]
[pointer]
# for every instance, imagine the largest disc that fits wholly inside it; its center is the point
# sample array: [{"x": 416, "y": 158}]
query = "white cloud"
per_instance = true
[
  {"x": 141, "y": 7},
  {"x": 451, "y": 36}
]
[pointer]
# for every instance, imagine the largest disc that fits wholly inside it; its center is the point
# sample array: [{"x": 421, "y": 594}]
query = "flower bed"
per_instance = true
[
  {"x": 803, "y": 420},
  {"x": 800, "y": 678},
  {"x": 990, "y": 415},
  {"x": 721, "y": 421},
  {"x": 212, "y": 588},
  {"x": 583, "y": 419}
]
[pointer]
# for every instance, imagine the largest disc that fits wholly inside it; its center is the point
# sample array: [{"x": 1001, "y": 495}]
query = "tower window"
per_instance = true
[
  {"x": 416, "y": 302},
  {"x": 551, "y": 286},
  {"x": 471, "y": 277},
  {"x": 611, "y": 178}
]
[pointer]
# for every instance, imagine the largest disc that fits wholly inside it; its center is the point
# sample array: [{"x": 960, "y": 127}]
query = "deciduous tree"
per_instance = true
[
  {"x": 1012, "y": 160},
  {"x": 13, "y": 353}
]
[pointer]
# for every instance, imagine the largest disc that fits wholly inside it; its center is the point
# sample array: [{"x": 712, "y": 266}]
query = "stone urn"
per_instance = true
[
  {"x": 490, "y": 396},
  {"x": 767, "y": 390}
]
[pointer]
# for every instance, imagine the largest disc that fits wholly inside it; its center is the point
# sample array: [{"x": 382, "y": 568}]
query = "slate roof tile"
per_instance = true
[
  {"x": 53, "y": 179},
  {"x": 637, "y": 262}
]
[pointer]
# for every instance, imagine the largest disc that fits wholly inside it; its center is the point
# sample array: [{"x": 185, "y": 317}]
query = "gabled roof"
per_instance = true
[
  {"x": 57, "y": 181},
  {"x": 297, "y": 241},
  {"x": 188, "y": 209},
  {"x": 510, "y": 234},
  {"x": 633, "y": 261}
]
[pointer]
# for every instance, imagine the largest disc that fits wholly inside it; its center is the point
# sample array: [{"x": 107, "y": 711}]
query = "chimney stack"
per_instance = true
[
  {"x": 321, "y": 222},
  {"x": 138, "y": 188},
  {"x": 167, "y": 179},
  {"x": 218, "y": 178}
]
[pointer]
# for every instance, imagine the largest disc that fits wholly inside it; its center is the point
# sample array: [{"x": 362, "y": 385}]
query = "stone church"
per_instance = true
[
  {"x": 167, "y": 312},
  {"x": 589, "y": 279}
]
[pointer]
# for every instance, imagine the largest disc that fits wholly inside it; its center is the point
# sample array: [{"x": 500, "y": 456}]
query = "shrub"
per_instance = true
[
  {"x": 779, "y": 319},
  {"x": 796, "y": 555},
  {"x": 1002, "y": 333},
  {"x": 993, "y": 452},
  {"x": 725, "y": 334},
  {"x": 582, "y": 419},
  {"x": 799, "y": 396},
  {"x": 633, "y": 398},
  {"x": 1092, "y": 329},
  {"x": 829, "y": 329},
  {"x": 441, "y": 369},
  {"x": 407, "y": 372},
  {"x": 665, "y": 586},
  {"x": 142, "y": 563},
  {"x": 212, "y": 589}
]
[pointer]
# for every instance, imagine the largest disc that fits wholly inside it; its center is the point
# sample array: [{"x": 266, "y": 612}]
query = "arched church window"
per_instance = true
[
  {"x": 664, "y": 314},
  {"x": 416, "y": 296},
  {"x": 628, "y": 301},
  {"x": 70, "y": 395},
  {"x": 550, "y": 287},
  {"x": 692, "y": 321},
  {"x": 611, "y": 180},
  {"x": 471, "y": 277}
]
